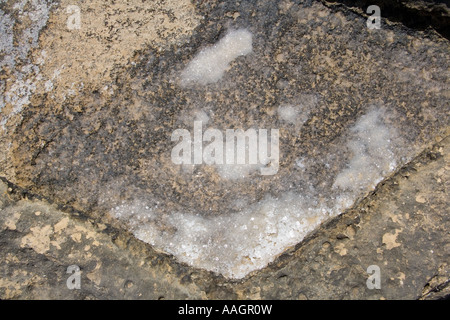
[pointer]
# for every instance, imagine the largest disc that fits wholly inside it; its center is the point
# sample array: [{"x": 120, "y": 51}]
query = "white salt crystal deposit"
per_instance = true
[
  {"x": 243, "y": 241},
  {"x": 288, "y": 113},
  {"x": 298, "y": 111},
  {"x": 209, "y": 65},
  {"x": 237, "y": 171},
  {"x": 237, "y": 243},
  {"x": 372, "y": 153}
]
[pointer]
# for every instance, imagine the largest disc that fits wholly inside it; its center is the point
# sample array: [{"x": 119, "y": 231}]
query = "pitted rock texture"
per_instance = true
[
  {"x": 86, "y": 119},
  {"x": 402, "y": 227}
]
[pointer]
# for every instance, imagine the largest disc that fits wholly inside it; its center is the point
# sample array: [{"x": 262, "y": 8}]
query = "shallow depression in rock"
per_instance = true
[
  {"x": 346, "y": 120},
  {"x": 236, "y": 243}
]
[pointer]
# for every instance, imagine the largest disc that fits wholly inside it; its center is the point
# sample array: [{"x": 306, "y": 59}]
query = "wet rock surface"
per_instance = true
[
  {"x": 93, "y": 137},
  {"x": 402, "y": 227}
]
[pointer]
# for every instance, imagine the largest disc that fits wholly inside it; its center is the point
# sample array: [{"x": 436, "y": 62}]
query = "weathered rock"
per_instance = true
[
  {"x": 402, "y": 227},
  {"x": 416, "y": 14},
  {"x": 93, "y": 135}
]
